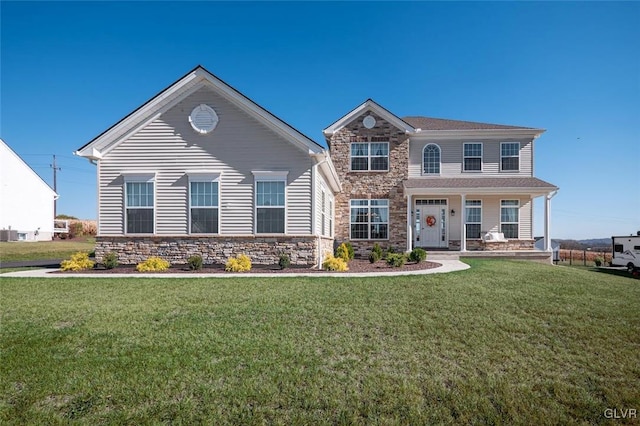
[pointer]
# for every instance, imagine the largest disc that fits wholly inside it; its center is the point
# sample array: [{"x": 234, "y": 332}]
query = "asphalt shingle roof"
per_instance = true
[
  {"x": 477, "y": 183},
  {"x": 428, "y": 123}
]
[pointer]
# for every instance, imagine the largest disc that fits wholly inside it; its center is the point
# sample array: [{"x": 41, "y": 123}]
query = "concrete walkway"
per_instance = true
[{"x": 447, "y": 265}]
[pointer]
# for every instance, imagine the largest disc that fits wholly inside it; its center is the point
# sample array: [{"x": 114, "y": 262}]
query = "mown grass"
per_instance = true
[
  {"x": 501, "y": 343},
  {"x": 17, "y": 251}
]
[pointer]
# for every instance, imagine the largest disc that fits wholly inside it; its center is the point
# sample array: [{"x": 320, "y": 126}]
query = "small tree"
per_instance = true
[
  {"x": 195, "y": 262},
  {"x": 110, "y": 260}
]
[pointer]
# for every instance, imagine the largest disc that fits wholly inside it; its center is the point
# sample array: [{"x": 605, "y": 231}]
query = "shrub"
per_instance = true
[
  {"x": 110, "y": 260},
  {"x": 418, "y": 255},
  {"x": 241, "y": 263},
  {"x": 75, "y": 229},
  {"x": 374, "y": 256},
  {"x": 377, "y": 249},
  {"x": 598, "y": 261},
  {"x": 284, "y": 261},
  {"x": 195, "y": 262},
  {"x": 78, "y": 262},
  {"x": 153, "y": 264},
  {"x": 335, "y": 264},
  {"x": 342, "y": 252},
  {"x": 350, "y": 250},
  {"x": 396, "y": 259}
]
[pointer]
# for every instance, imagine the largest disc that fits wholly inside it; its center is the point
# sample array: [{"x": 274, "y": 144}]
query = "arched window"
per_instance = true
[{"x": 431, "y": 160}]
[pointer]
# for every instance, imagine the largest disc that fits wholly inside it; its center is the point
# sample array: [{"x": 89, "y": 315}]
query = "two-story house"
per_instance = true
[
  {"x": 434, "y": 183},
  {"x": 202, "y": 169}
]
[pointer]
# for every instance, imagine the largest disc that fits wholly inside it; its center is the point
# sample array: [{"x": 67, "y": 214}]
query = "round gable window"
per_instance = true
[
  {"x": 369, "y": 122},
  {"x": 203, "y": 119}
]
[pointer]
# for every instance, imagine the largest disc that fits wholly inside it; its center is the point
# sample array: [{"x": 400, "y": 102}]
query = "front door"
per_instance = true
[{"x": 431, "y": 225}]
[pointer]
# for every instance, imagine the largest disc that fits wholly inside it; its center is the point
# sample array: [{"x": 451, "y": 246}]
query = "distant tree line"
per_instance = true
[{"x": 602, "y": 245}]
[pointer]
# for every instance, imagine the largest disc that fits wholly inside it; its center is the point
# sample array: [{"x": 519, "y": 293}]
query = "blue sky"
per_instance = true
[{"x": 69, "y": 70}]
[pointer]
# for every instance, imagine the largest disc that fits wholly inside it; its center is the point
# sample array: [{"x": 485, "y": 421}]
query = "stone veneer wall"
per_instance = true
[
  {"x": 478, "y": 245},
  {"x": 371, "y": 185},
  {"x": 214, "y": 250}
]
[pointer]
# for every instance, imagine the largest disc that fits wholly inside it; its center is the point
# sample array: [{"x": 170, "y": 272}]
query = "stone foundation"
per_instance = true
[
  {"x": 480, "y": 245},
  {"x": 302, "y": 250}
]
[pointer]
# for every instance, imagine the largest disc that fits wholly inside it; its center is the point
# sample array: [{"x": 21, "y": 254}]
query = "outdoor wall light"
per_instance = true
[{"x": 453, "y": 212}]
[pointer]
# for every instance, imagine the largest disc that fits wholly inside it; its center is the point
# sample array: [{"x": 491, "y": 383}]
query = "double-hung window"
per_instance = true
[
  {"x": 473, "y": 218},
  {"x": 472, "y": 157},
  {"x": 509, "y": 218},
  {"x": 369, "y": 219},
  {"x": 370, "y": 156},
  {"x": 204, "y": 202},
  {"x": 270, "y": 202},
  {"x": 510, "y": 156},
  {"x": 139, "y": 204}
]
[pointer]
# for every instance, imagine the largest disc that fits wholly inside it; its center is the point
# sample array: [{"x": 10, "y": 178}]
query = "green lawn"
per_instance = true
[
  {"x": 21, "y": 250},
  {"x": 501, "y": 343}
]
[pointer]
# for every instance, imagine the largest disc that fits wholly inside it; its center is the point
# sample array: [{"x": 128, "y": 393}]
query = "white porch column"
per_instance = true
[
  {"x": 547, "y": 222},
  {"x": 409, "y": 227},
  {"x": 463, "y": 228}
]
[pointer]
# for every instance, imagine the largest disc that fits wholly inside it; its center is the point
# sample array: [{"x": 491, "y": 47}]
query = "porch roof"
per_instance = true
[{"x": 487, "y": 185}]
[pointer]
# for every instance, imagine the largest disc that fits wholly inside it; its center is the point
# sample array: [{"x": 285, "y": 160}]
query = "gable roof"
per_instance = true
[
  {"x": 180, "y": 89},
  {"x": 19, "y": 160},
  {"x": 429, "y": 123},
  {"x": 369, "y": 105},
  {"x": 428, "y": 126}
]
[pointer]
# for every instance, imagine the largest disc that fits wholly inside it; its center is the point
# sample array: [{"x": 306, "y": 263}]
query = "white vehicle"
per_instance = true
[{"x": 626, "y": 252}]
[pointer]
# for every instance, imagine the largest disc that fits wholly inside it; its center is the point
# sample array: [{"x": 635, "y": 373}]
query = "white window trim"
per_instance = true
[
  {"x": 369, "y": 157},
  {"x": 203, "y": 177},
  {"x": 473, "y": 223},
  {"x": 464, "y": 157},
  {"x": 141, "y": 177},
  {"x": 269, "y": 176},
  {"x": 388, "y": 222},
  {"x": 510, "y": 223},
  {"x": 439, "y": 164},
  {"x": 510, "y": 156}
]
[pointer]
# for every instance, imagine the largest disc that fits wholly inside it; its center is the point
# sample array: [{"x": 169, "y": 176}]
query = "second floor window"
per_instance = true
[
  {"x": 472, "y": 157},
  {"x": 369, "y": 156},
  {"x": 431, "y": 160},
  {"x": 510, "y": 156}
]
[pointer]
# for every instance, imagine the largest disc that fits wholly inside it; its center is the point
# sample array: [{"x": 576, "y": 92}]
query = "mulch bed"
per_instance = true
[{"x": 356, "y": 265}]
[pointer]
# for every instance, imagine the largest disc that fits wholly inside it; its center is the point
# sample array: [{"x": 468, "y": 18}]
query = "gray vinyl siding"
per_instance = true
[
  {"x": 491, "y": 214},
  {"x": 451, "y": 158},
  {"x": 170, "y": 148},
  {"x": 320, "y": 185}
]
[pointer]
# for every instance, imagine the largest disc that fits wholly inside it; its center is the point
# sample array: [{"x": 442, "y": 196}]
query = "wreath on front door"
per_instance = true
[{"x": 431, "y": 220}]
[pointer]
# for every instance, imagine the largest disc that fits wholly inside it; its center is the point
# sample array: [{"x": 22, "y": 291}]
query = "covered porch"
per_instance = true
[{"x": 475, "y": 214}]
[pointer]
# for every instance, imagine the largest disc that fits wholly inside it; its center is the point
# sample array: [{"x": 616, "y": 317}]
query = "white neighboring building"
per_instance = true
[{"x": 26, "y": 201}]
